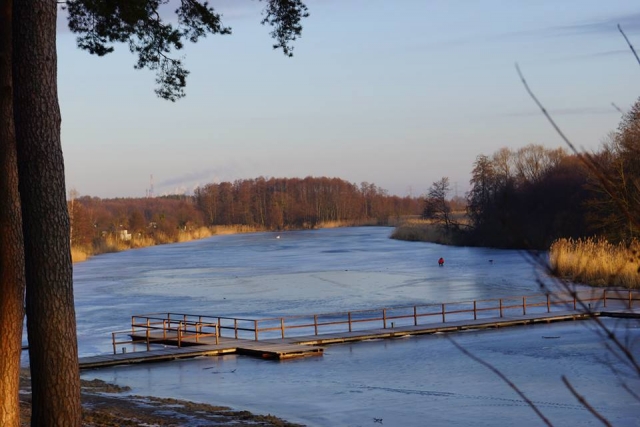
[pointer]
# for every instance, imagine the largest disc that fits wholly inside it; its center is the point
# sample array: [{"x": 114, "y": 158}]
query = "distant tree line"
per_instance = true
[
  {"x": 261, "y": 203},
  {"x": 529, "y": 197},
  {"x": 279, "y": 203}
]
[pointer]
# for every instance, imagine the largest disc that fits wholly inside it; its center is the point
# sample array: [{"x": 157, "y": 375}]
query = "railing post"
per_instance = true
[
  {"x": 315, "y": 323},
  {"x": 349, "y": 316},
  {"x": 217, "y": 333},
  {"x": 384, "y": 318},
  {"x": 282, "y": 326},
  {"x": 500, "y": 307},
  {"x": 180, "y": 334},
  {"x": 148, "y": 340},
  {"x": 604, "y": 298},
  {"x": 442, "y": 312},
  {"x": 415, "y": 315},
  {"x": 575, "y": 297},
  {"x": 235, "y": 327},
  {"x": 524, "y": 305},
  {"x": 113, "y": 340},
  {"x": 255, "y": 328},
  {"x": 475, "y": 311}
]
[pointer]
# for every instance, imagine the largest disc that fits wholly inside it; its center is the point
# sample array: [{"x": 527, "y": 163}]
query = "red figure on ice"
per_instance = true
[{"x": 441, "y": 262}]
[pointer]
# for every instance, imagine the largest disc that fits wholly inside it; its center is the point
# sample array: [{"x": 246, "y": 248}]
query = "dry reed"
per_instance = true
[
  {"x": 420, "y": 230},
  {"x": 596, "y": 262}
]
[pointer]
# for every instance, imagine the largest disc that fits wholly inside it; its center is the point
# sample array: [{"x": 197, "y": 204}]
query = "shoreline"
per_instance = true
[
  {"x": 79, "y": 254},
  {"x": 105, "y": 405}
]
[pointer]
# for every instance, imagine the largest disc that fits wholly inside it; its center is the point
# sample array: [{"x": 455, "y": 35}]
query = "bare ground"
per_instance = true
[{"x": 103, "y": 405}]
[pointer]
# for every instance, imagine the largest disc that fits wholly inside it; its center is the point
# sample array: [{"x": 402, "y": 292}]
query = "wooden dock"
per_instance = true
[{"x": 170, "y": 336}]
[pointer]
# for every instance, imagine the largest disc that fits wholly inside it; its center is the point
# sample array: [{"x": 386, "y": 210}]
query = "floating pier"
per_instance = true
[{"x": 170, "y": 336}]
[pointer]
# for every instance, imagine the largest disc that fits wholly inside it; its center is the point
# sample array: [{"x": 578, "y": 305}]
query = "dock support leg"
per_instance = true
[{"x": 315, "y": 323}]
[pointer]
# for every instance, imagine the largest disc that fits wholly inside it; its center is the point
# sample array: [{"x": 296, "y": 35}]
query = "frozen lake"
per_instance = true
[{"x": 412, "y": 381}]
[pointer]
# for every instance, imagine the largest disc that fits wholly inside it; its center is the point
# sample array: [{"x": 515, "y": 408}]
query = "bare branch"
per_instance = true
[
  {"x": 588, "y": 161},
  {"x": 504, "y": 378},
  {"x": 617, "y": 108},
  {"x": 629, "y": 43},
  {"x": 584, "y": 402}
]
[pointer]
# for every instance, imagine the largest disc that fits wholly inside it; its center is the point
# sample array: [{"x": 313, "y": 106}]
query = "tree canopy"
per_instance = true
[{"x": 100, "y": 24}]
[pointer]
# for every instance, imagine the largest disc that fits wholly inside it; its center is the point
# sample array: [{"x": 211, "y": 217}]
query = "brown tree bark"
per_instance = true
[
  {"x": 51, "y": 324},
  {"x": 12, "y": 281}
]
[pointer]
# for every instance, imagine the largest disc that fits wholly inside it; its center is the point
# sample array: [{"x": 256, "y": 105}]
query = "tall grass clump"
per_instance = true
[
  {"x": 420, "y": 230},
  {"x": 596, "y": 262},
  {"x": 79, "y": 254}
]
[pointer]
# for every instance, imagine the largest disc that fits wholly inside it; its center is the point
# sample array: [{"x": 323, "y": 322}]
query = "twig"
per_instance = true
[
  {"x": 629, "y": 43},
  {"x": 617, "y": 108},
  {"x": 545, "y": 112},
  {"x": 504, "y": 378},
  {"x": 584, "y": 402}
]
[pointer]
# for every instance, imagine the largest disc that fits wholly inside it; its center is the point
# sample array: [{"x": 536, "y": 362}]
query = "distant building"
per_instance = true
[{"x": 124, "y": 235}]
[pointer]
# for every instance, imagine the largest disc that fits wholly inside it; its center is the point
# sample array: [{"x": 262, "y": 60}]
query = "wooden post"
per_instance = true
[
  {"x": 217, "y": 333},
  {"x": 315, "y": 323},
  {"x": 442, "y": 312},
  {"x": 255, "y": 328},
  {"x": 548, "y": 304},
  {"x": 574, "y": 301},
  {"x": 384, "y": 318},
  {"x": 415, "y": 315},
  {"x": 349, "y": 316},
  {"x": 235, "y": 327},
  {"x": 282, "y": 326},
  {"x": 604, "y": 298},
  {"x": 148, "y": 339},
  {"x": 475, "y": 312},
  {"x": 524, "y": 305},
  {"x": 180, "y": 334},
  {"x": 500, "y": 307},
  {"x": 113, "y": 340}
]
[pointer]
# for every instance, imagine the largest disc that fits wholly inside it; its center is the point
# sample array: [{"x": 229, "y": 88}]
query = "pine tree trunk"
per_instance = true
[
  {"x": 50, "y": 310},
  {"x": 12, "y": 281}
]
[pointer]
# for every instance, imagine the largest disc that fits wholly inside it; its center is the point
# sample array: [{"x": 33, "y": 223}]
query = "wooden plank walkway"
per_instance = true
[{"x": 284, "y": 348}]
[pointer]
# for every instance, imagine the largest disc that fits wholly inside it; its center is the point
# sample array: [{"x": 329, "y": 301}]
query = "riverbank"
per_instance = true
[
  {"x": 110, "y": 244},
  {"x": 106, "y": 405},
  {"x": 425, "y": 230},
  {"x": 593, "y": 262}
]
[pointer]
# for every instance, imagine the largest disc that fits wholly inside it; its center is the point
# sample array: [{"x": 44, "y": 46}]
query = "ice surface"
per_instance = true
[{"x": 412, "y": 381}]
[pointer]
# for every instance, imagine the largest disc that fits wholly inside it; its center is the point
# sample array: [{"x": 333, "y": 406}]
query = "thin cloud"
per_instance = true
[
  {"x": 578, "y": 111},
  {"x": 630, "y": 23}
]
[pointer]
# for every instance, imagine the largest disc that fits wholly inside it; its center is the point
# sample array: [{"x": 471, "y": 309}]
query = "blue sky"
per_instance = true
[{"x": 397, "y": 92}]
